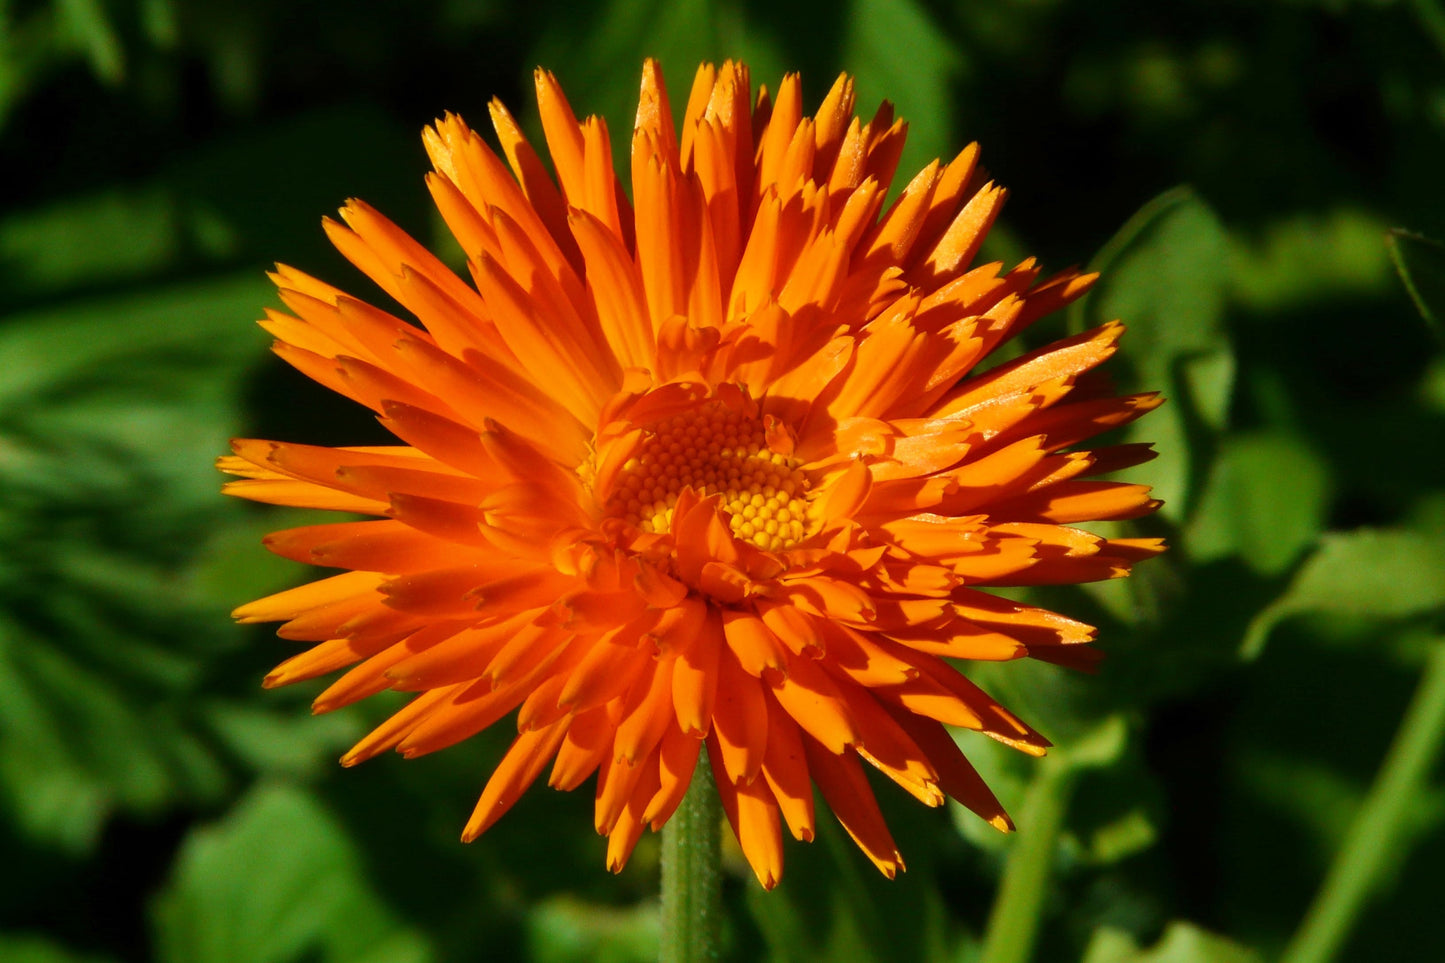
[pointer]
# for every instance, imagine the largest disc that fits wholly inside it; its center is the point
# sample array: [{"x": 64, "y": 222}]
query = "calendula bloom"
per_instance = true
[{"x": 702, "y": 467}]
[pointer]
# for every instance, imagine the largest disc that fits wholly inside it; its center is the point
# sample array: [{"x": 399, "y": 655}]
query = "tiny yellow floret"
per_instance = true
[{"x": 715, "y": 451}]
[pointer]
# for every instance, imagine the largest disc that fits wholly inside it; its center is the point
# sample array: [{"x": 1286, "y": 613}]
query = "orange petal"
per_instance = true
[
  {"x": 370, "y": 677},
  {"x": 956, "y": 249},
  {"x": 812, "y": 698},
  {"x": 541, "y": 194},
  {"x": 449, "y": 724},
  {"x": 841, "y": 781},
  {"x": 759, "y": 832},
  {"x": 585, "y": 747},
  {"x": 677, "y": 757},
  {"x": 517, "y": 770},
  {"x": 617, "y": 291},
  {"x": 564, "y": 135},
  {"x": 739, "y": 721},
  {"x": 754, "y": 646},
  {"x": 631, "y": 821},
  {"x": 292, "y": 602},
  {"x": 695, "y": 678},
  {"x": 616, "y": 783},
  {"x": 956, "y": 775},
  {"x": 786, "y": 769},
  {"x": 643, "y": 727},
  {"x": 394, "y": 729}
]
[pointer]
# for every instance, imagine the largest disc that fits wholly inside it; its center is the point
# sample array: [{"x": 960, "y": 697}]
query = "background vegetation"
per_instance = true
[{"x": 156, "y": 805}]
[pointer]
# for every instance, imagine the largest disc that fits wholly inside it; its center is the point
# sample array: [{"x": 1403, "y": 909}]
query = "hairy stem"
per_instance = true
[{"x": 691, "y": 913}]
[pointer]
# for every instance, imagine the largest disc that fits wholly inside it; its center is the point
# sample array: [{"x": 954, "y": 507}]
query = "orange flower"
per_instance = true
[{"x": 702, "y": 467}]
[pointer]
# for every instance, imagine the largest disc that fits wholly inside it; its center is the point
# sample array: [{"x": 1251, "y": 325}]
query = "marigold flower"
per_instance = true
[{"x": 704, "y": 466}]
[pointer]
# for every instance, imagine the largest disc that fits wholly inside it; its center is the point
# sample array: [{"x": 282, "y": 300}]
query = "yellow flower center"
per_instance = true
[{"x": 715, "y": 450}]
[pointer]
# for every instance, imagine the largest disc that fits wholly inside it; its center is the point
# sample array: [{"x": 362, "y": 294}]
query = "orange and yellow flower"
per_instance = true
[{"x": 705, "y": 466}]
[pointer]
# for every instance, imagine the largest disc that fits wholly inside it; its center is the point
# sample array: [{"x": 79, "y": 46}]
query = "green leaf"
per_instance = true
[
  {"x": 1264, "y": 502},
  {"x": 1165, "y": 275},
  {"x": 228, "y": 569},
  {"x": 1307, "y": 259},
  {"x": 97, "y": 344},
  {"x": 159, "y": 21},
  {"x": 1385, "y": 574},
  {"x": 36, "y": 949},
  {"x": 48, "y": 798},
  {"x": 1314, "y": 796},
  {"x": 25, "y": 49},
  {"x": 282, "y": 743},
  {"x": 90, "y": 239},
  {"x": 1421, "y": 263},
  {"x": 1098, "y": 747},
  {"x": 111, "y": 413},
  {"x": 277, "y": 881},
  {"x": 88, "y": 26},
  {"x": 1131, "y": 833},
  {"x": 80, "y": 742},
  {"x": 1181, "y": 943},
  {"x": 564, "y": 929}
]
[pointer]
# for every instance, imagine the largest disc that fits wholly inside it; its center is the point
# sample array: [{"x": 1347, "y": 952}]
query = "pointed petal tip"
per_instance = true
[
  {"x": 253, "y": 613},
  {"x": 480, "y": 823}
]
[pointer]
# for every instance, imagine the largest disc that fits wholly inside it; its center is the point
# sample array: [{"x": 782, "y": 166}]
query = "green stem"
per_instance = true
[
  {"x": 691, "y": 853},
  {"x": 1378, "y": 834},
  {"x": 1013, "y": 923}
]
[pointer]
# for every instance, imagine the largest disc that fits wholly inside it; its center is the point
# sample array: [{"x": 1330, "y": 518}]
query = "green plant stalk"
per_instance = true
[
  {"x": 1013, "y": 923},
  {"x": 1393, "y": 241},
  {"x": 691, "y": 856},
  {"x": 1380, "y": 829}
]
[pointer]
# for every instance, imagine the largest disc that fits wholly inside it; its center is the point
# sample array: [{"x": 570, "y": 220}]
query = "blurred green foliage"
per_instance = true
[{"x": 156, "y": 805}]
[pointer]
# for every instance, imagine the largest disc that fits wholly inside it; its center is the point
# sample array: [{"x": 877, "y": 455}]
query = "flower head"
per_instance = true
[{"x": 702, "y": 467}]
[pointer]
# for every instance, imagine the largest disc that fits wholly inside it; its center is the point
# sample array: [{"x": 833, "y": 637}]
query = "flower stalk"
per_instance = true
[
  {"x": 1378, "y": 835},
  {"x": 1013, "y": 923},
  {"x": 691, "y": 854}
]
